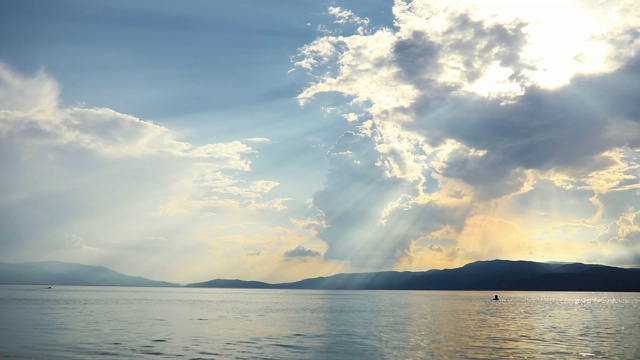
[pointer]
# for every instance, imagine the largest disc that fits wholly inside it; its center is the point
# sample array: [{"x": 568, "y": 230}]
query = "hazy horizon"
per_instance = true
[
  {"x": 283, "y": 140},
  {"x": 293, "y": 279}
]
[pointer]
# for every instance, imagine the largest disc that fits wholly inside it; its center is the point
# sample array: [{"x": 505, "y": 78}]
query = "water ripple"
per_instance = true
[{"x": 258, "y": 324}]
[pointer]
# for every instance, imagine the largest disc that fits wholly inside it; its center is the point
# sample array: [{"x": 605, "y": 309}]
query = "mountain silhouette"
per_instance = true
[
  {"x": 232, "y": 284},
  {"x": 61, "y": 273},
  {"x": 480, "y": 275}
]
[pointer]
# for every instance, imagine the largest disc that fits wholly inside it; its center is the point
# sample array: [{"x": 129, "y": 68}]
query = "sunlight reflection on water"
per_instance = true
[{"x": 114, "y": 322}]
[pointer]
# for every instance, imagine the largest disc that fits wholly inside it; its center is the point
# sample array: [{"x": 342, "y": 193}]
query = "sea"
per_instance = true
[{"x": 76, "y": 322}]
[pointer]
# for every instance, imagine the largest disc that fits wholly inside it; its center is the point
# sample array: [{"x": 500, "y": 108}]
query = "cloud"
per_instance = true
[
  {"x": 93, "y": 183},
  {"x": 369, "y": 213},
  {"x": 441, "y": 61},
  {"x": 354, "y": 197},
  {"x": 344, "y": 16},
  {"x": 300, "y": 252},
  {"x": 460, "y": 120},
  {"x": 258, "y": 140}
]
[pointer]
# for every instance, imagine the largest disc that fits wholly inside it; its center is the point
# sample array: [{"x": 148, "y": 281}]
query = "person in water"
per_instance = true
[{"x": 496, "y": 298}]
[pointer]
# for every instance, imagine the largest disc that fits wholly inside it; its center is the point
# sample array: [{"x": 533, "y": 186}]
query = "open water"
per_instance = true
[{"x": 69, "y": 322}]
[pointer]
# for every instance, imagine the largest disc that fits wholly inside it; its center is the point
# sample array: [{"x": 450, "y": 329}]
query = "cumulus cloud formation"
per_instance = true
[
  {"x": 461, "y": 130},
  {"x": 472, "y": 114},
  {"x": 103, "y": 183}
]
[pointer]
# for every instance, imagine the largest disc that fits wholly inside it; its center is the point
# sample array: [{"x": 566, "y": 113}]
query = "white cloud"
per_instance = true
[
  {"x": 344, "y": 16},
  {"x": 20, "y": 94},
  {"x": 258, "y": 140},
  {"x": 93, "y": 183}
]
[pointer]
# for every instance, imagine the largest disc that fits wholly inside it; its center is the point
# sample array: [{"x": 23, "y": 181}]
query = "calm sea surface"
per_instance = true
[{"x": 70, "y": 322}]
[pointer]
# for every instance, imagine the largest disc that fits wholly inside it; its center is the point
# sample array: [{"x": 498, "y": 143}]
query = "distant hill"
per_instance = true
[
  {"x": 529, "y": 276},
  {"x": 481, "y": 275},
  {"x": 61, "y": 273},
  {"x": 232, "y": 284}
]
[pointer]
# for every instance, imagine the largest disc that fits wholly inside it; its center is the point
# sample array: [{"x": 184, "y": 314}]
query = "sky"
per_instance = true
[{"x": 280, "y": 140}]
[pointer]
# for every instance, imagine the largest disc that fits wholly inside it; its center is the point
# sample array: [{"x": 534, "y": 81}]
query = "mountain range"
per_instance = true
[
  {"x": 481, "y": 275},
  {"x": 61, "y": 273}
]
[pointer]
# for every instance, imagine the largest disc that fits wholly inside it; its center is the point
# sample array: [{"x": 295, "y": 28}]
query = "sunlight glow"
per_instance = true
[{"x": 561, "y": 43}]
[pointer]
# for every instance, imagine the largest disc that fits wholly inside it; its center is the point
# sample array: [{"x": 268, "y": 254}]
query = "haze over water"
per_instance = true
[{"x": 117, "y": 322}]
